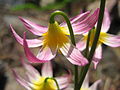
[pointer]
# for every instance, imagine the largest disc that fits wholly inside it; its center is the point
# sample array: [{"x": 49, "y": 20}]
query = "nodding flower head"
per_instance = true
[
  {"x": 45, "y": 81},
  {"x": 105, "y": 38},
  {"x": 55, "y": 38}
]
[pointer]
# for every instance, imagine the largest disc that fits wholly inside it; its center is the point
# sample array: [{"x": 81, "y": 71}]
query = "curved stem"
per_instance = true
[
  {"x": 67, "y": 21},
  {"x": 94, "y": 45},
  {"x": 71, "y": 36},
  {"x": 54, "y": 81}
]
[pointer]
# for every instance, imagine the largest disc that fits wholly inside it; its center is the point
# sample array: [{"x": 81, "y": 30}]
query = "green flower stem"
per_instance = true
[
  {"x": 94, "y": 45},
  {"x": 86, "y": 52},
  {"x": 54, "y": 81},
  {"x": 87, "y": 45},
  {"x": 71, "y": 36}
]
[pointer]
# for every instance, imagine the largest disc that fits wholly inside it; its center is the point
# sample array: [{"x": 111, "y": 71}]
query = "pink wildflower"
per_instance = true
[
  {"x": 35, "y": 81},
  {"x": 108, "y": 39},
  {"x": 54, "y": 39}
]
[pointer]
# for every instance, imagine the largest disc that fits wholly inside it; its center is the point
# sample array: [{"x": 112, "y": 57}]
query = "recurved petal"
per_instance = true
[
  {"x": 106, "y": 21},
  {"x": 77, "y": 18},
  {"x": 31, "y": 42},
  {"x": 21, "y": 81},
  {"x": 34, "y": 28},
  {"x": 95, "y": 85},
  {"x": 47, "y": 70},
  {"x": 81, "y": 45},
  {"x": 30, "y": 56},
  {"x": 34, "y": 75},
  {"x": 110, "y": 40},
  {"x": 87, "y": 24},
  {"x": 73, "y": 55},
  {"x": 63, "y": 81}
]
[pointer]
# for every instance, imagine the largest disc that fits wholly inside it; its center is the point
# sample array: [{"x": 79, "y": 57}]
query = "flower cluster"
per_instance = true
[{"x": 55, "y": 39}]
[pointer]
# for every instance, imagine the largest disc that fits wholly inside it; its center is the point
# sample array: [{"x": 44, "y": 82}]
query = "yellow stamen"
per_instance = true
[
  {"x": 40, "y": 84},
  {"x": 55, "y": 37}
]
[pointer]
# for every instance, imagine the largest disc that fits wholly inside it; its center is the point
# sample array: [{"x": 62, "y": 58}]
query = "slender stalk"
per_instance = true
[
  {"x": 86, "y": 51},
  {"x": 71, "y": 36},
  {"x": 87, "y": 45},
  {"x": 94, "y": 45}
]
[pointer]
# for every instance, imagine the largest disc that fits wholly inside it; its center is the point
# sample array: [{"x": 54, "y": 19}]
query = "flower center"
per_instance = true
[
  {"x": 92, "y": 36},
  {"x": 40, "y": 84},
  {"x": 55, "y": 37}
]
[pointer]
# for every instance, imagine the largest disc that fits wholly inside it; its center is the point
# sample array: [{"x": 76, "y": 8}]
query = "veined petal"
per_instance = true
[
  {"x": 31, "y": 42},
  {"x": 81, "y": 45},
  {"x": 46, "y": 54},
  {"x": 77, "y": 18},
  {"x": 106, "y": 21},
  {"x": 110, "y": 40},
  {"x": 63, "y": 81},
  {"x": 21, "y": 80},
  {"x": 34, "y": 75},
  {"x": 94, "y": 86},
  {"x": 30, "y": 56},
  {"x": 73, "y": 55},
  {"x": 47, "y": 70},
  {"x": 87, "y": 24},
  {"x": 34, "y": 28}
]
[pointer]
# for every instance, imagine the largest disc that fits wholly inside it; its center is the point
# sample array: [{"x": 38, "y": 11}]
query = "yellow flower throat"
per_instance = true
[
  {"x": 40, "y": 84},
  {"x": 92, "y": 36},
  {"x": 55, "y": 37}
]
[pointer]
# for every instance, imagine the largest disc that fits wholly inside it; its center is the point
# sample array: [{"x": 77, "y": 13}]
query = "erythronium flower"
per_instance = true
[
  {"x": 54, "y": 38},
  {"x": 108, "y": 39},
  {"x": 35, "y": 81},
  {"x": 85, "y": 85}
]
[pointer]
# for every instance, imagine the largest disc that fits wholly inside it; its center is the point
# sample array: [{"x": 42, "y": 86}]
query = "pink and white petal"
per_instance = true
[
  {"x": 30, "y": 56},
  {"x": 63, "y": 81},
  {"x": 73, "y": 55},
  {"x": 31, "y": 42},
  {"x": 86, "y": 81},
  {"x": 98, "y": 52},
  {"x": 34, "y": 75},
  {"x": 80, "y": 17},
  {"x": 95, "y": 85},
  {"x": 97, "y": 56},
  {"x": 81, "y": 45},
  {"x": 46, "y": 54},
  {"x": 47, "y": 70},
  {"x": 33, "y": 27},
  {"x": 21, "y": 81},
  {"x": 106, "y": 21},
  {"x": 110, "y": 40},
  {"x": 87, "y": 24},
  {"x": 77, "y": 18}
]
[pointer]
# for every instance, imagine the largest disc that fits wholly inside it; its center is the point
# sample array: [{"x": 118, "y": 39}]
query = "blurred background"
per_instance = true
[{"x": 39, "y": 11}]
